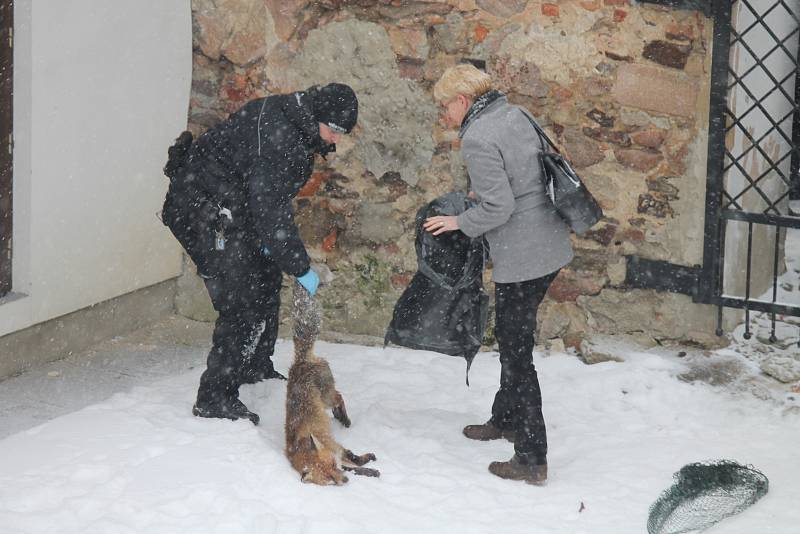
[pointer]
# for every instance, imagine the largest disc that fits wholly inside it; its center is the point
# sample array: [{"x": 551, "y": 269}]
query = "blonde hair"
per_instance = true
[{"x": 463, "y": 79}]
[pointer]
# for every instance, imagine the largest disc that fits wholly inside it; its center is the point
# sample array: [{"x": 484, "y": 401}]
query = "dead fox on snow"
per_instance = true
[{"x": 310, "y": 392}]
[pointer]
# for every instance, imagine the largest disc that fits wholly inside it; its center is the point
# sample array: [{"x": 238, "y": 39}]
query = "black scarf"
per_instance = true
[
  {"x": 298, "y": 109},
  {"x": 480, "y": 104}
]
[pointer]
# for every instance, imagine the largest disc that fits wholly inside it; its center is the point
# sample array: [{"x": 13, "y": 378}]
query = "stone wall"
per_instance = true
[{"x": 624, "y": 87}]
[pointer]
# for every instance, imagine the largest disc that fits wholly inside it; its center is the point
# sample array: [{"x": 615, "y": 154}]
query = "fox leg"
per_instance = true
[
  {"x": 349, "y": 456},
  {"x": 339, "y": 410},
  {"x": 363, "y": 471},
  {"x": 357, "y": 461}
]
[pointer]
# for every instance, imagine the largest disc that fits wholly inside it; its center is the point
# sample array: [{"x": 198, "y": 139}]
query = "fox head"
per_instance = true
[{"x": 324, "y": 469}]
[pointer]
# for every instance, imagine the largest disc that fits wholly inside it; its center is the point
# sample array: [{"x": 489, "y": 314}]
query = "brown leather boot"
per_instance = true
[
  {"x": 487, "y": 432},
  {"x": 518, "y": 469}
]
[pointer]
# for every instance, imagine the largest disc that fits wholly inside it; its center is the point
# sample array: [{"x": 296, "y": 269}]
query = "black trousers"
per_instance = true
[
  {"x": 518, "y": 403},
  {"x": 246, "y": 293}
]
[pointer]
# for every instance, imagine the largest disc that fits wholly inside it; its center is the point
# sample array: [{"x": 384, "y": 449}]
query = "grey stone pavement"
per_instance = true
[
  {"x": 176, "y": 345},
  {"x": 169, "y": 347}
]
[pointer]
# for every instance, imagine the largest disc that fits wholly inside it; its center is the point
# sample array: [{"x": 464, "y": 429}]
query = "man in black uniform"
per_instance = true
[{"x": 230, "y": 205}]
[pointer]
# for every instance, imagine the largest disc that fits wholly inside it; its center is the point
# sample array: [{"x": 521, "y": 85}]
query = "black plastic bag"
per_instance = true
[{"x": 444, "y": 309}]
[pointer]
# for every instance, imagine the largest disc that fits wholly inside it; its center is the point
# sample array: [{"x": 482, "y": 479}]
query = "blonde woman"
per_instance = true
[{"x": 528, "y": 242}]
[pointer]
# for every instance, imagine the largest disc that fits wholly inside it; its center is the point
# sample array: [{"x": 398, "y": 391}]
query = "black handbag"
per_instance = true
[{"x": 573, "y": 202}]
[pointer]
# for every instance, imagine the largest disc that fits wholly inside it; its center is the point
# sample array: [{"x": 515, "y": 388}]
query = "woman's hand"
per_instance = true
[{"x": 440, "y": 224}]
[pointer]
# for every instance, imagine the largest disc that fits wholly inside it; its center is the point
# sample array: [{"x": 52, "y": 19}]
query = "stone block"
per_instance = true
[
  {"x": 596, "y": 87},
  {"x": 608, "y": 136},
  {"x": 277, "y": 69},
  {"x": 667, "y": 54},
  {"x": 503, "y": 8},
  {"x": 783, "y": 368},
  {"x": 605, "y": 68},
  {"x": 329, "y": 241},
  {"x": 287, "y": 14},
  {"x": 662, "y": 316},
  {"x": 662, "y": 186},
  {"x": 601, "y": 118},
  {"x": 453, "y": 36},
  {"x": 518, "y": 76},
  {"x": 618, "y": 57},
  {"x": 394, "y": 186},
  {"x": 400, "y": 280},
  {"x": 617, "y": 271},
  {"x": 375, "y": 223},
  {"x": 314, "y": 184},
  {"x": 560, "y": 319},
  {"x": 240, "y": 30},
  {"x": 676, "y": 156},
  {"x": 315, "y": 222},
  {"x": 589, "y": 260},
  {"x": 396, "y": 115},
  {"x": 411, "y": 69},
  {"x": 493, "y": 41},
  {"x": 409, "y": 42},
  {"x": 652, "y": 205},
  {"x": 640, "y": 160},
  {"x": 590, "y": 354},
  {"x": 479, "y": 33},
  {"x": 620, "y": 15},
  {"x": 402, "y": 10},
  {"x": 632, "y": 235},
  {"x": 679, "y": 32},
  {"x": 604, "y": 185},
  {"x": 569, "y": 285},
  {"x": 655, "y": 89},
  {"x": 550, "y": 10},
  {"x": 562, "y": 94},
  {"x": 582, "y": 152},
  {"x": 649, "y": 138},
  {"x": 602, "y": 233}
]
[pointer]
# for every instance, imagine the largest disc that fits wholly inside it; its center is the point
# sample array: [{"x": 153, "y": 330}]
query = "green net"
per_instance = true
[{"x": 704, "y": 494}]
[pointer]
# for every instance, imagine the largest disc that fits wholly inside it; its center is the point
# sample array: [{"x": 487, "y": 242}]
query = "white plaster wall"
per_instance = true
[{"x": 101, "y": 90}]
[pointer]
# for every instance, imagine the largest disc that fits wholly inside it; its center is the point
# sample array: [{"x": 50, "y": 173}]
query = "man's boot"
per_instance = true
[
  {"x": 487, "y": 432},
  {"x": 224, "y": 408},
  {"x": 519, "y": 468}
]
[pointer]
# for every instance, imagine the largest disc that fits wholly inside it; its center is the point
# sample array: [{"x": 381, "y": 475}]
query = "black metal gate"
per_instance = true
[{"x": 753, "y": 156}]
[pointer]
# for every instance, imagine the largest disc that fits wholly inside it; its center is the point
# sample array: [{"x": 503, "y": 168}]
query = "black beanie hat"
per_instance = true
[{"x": 335, "y": 105}]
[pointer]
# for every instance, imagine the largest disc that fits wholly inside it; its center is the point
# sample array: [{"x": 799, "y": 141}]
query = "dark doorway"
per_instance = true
[{"x": 6, "y": 139}]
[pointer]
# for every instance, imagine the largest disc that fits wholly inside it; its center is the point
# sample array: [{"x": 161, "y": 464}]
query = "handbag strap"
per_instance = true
[{"x": 542, "y": 135}]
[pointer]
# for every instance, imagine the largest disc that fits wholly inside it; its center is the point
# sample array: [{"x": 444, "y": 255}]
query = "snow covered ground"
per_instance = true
[{"x": 139, "y": 462}]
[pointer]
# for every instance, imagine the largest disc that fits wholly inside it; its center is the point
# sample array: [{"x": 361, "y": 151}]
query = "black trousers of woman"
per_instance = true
[{"x": 518, "y": 403}]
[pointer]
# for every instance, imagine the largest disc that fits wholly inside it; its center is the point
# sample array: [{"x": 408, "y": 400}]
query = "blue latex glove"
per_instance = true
[
  {"x": 265, "y": 250},
  {"x": 310, "y": 281}
]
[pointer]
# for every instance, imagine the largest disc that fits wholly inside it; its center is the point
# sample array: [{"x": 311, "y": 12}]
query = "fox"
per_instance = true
[{"x": 310, "y": 393}]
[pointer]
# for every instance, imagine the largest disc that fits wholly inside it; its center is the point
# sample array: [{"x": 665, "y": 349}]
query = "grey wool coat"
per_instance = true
[{"x": 526, "y": 236}]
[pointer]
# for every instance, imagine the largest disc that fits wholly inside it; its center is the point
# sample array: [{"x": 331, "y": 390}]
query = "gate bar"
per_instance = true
[{"x": 709, "y": 284}]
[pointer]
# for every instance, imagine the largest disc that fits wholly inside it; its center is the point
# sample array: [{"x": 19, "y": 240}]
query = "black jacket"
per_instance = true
[{"x": 254, "y": 163}]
